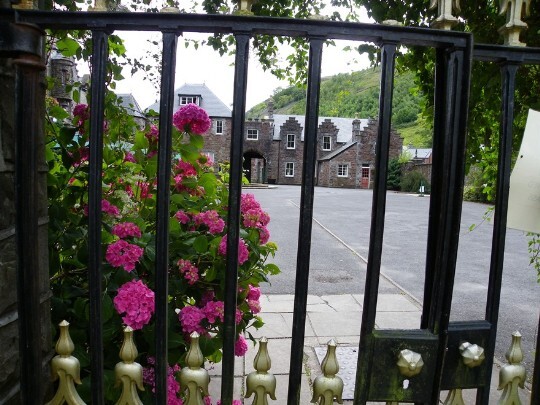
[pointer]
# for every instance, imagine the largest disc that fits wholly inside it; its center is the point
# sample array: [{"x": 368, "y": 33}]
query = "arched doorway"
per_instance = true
[{"x": 254, "y": 167}]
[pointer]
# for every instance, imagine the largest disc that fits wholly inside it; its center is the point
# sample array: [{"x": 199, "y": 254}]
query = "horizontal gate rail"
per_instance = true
[{"x": 227, "y": 24}]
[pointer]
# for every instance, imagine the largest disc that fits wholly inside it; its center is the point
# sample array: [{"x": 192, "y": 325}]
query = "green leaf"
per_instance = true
[
  {"x": 200, "y": 244},
  {"x": 272, "y": 269},
  {"x": 68, "y": 46},
  {"x": 107, "y": 307}
]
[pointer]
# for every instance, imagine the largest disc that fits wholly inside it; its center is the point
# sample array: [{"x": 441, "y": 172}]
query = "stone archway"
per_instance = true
[{"x": 254, "y": 166}]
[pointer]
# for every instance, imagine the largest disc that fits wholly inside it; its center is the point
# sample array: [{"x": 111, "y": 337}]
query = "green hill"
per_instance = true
[{"x": 357, "y": 95}]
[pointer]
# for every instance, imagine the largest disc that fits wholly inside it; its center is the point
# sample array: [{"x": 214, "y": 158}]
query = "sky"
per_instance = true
[{"x": 205, "y": 65}]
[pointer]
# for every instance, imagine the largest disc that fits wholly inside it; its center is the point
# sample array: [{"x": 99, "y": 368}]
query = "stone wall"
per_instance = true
[
  {"x": 9, "y": 355},
  {"x": 328, "y": 176},
  {"x": 285, "y": 155}
]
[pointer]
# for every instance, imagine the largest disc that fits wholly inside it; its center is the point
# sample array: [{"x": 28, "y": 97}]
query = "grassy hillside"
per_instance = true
[{"x": 357, "y": 95}]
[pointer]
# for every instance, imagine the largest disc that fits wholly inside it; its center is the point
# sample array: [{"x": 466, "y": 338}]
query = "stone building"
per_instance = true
[{"x": 274, "y": 145}]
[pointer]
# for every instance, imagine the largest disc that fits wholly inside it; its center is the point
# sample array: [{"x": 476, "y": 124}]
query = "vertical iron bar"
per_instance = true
[
  {"x": 460, "y": 62},
  {"x": 363, "y": 370},
  {"x": 432, "y": 269},
  {"x": 233, "y": 231},
  {"x": 168, "y": 68},
  {"x": 306, "y": 219},
  {"x": 97, "y": 108},
  {"x": 508, "y": 77},
  {"x": 27, "y": 129}
]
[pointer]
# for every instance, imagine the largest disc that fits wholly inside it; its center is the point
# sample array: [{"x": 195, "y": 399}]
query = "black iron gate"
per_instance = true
[{"x": 437, "y": 340}]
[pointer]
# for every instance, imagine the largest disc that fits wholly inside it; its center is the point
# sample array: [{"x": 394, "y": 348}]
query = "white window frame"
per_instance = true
[
  {"x": 219, "y": 127},
  {"x": 184, "y": 100},
  {"x": 289, "y": 169},
  {"x": 293, "y": 142},
  {"x": 252, "y": 134},
  {"x": 210, "y": 155},
  {"x": 341, "y": 172},
  {"x": 329, "y": 142}
]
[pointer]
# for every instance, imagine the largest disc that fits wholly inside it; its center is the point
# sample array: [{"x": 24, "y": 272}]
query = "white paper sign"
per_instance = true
[{"x": 524, "y": 200}]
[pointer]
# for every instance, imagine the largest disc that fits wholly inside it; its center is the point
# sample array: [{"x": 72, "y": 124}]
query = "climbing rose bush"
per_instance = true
[{"x": 197, "y": 242}]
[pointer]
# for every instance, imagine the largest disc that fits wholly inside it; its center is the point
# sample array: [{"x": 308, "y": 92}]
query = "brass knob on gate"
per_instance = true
[
  {"x": 473, "y": 355},
  {"x": 409, "y": 363}
]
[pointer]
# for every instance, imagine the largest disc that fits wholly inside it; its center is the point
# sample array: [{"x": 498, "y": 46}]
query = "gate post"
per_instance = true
[{"x": 23, "y": 240}]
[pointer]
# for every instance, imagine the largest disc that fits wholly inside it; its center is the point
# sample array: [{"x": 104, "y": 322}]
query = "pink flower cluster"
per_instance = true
[
  {"x": 212, "y": 220},
  {"x": 126, "y": 230},
  {"x": 129, "y": 157},
  {"x": 254, "y": 217},
  {"x": 191, "y": 317},
  {"x": 182, "y": 217},
  {"x": 123, "y": 254},
  {"x": 82, "y": 155},
  {"x": 243, "y": 253},
  {"x": 173, "y": 386},
  {"x": 136, "y": 300},
  {"x": 82, "y": 112},
  {"x": 153, "y": 134},
  {"x": 192, "y": 118},
  {"x": 107, "y": 208},
  {"x": 253, "y": 297},
  {"x": 240, "y": 347},
  {"x": 189, "y": 270},
  {"x": 185, "y": 168}
]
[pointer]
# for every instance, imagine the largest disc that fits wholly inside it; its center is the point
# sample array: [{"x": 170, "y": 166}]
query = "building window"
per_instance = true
[
  {"x": 326, "y": 143},
  {"x": 189, "y": 100},
  {"x": 252, "y": 134},
  {"x": 289, "y": 169},
  {"x": 219, "y": 127},
  {"x": 291, "y": 144},
  {"x": 210, "y": 157},
  {"x": 343, "y": 170}
]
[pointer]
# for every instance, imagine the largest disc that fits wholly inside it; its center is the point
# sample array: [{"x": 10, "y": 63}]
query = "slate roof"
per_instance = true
[
  {"x": 131, "y": 105},
  {"x": 418, "y": 153},
  {"x": 337, "y": 152},
  {"x": 209, "y": 101},
  {"x": 344, "y": 125}
]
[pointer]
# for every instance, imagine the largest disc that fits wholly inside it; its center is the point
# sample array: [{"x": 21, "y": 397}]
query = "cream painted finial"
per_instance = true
[
  {"x": 445, "y": 20},
  {"x": 328, "y": 386},
  {"x": 128, "y": 372},
  {"x": 261, "y": 382},
  {"x": 514, "y": 11},
  {"x": 512, "y": 376},
  {"x": 194, "y": 379}
]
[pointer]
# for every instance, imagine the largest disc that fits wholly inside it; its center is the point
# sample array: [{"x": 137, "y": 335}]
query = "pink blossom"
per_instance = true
[
  {"x": 123, "y": 254},
  {"x": 185, "y": 168},
  {"x": 182, "y": 217},
  {"x": 110, "y": 209},
  {"x": 136, "y": 300},
  {"x": 212, "y": 220},
  {"x": 173, "y": 386},
  {"x": 191, "y": 118},
  {"x": 243, "y": 253},
  {"x": 129, "y": 157},
  {"x": 190, "y": 271},
  {"x": 151, "y": 154},
  {"x": 214, "y": 310},
  {"x": 254, "y": 293},
  {"x": 241, "y": 347},
  {"x": 82, "y": 111},
  {"x": 190, "y": 317},
  {"x": 107, "y": 208},
  {"x": 83, "y": 155},
  {"x": 153, "y": 134},
  {"x": 238, "y": 316},
  {"x": 126, "y": 230},
  {"x": 264, "y": 235},
  {"x": 254, "y": 306}
]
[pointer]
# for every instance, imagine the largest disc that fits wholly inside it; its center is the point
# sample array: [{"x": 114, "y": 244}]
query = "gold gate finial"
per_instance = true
[
  {"x": 455, "y": 397},
  {"x": 65, "y": 368},
  {"x": 261, "y": 382},
  {"x": 512, "y": 375},
  {"x": 128, "y": 373},
  {"x": 514, "y": 11},
  {"x": 328, "y": 386},
  {"x": 193, "y": 378},
  {"x": 445, "y": 19}
]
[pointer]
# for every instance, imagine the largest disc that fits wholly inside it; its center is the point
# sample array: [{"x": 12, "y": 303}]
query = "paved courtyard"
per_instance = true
[{"x": 340, "y": 245}]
